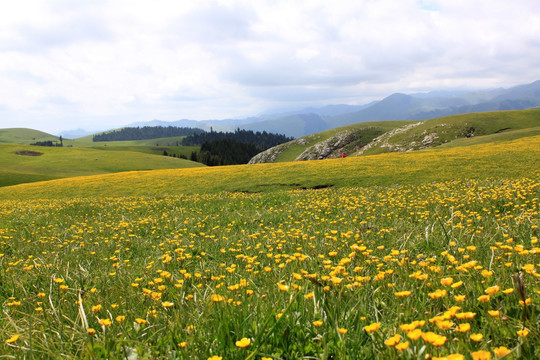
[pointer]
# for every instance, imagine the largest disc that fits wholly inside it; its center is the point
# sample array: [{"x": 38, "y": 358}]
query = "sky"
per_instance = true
[{"x": 100, "y": 64}]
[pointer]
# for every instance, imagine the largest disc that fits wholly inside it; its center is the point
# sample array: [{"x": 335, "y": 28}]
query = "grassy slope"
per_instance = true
[
  {"x": 295, "y": 149},
  {"x": 67, "y": 162},
  {"x": 155, "y": 150},
  {"x": 493, "y": 138},
  {"x": 451, "y": 128},
  {"x": 24, "y": 136},
  {"x": 494, "y": 160}
]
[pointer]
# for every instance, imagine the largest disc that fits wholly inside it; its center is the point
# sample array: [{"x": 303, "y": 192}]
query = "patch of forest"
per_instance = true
[
  {"x": 262, "y": 140},
  {"x": 145, "y": 132},
  {"x": 230, "y": 148}
]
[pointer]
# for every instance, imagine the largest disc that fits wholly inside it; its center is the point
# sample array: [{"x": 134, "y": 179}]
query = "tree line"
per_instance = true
[
  {"x": 145, "y": 132},
  {"x": 54, "y": 143},
  {"x": 230, "y": 148},
  {"x": 262, "y": 140},
  {"x": 224, "y": 152}
]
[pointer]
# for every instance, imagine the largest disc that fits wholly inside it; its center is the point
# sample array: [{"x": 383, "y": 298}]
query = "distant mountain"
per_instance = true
[
  {"x": 328, "y": 110},
  {"x": 420, "y": 106},
  {"x": 410, "y": 107},
  {"x": 292, "y": 125},
  {"x": 74, "y": 134}
]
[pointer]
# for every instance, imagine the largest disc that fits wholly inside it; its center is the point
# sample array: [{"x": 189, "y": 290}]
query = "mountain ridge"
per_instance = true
[{"x": 397, "y": 106}]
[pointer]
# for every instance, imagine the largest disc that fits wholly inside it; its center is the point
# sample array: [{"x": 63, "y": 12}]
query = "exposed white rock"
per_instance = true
[
  {"x": 382, "y": 140},
  {"x": 324, "y": 148}
]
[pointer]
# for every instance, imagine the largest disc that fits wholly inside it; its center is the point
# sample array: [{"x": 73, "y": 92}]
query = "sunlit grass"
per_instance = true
[
  {"x": 427, "y": 255},
  {"x": 496, "y": 160},
  {"x": 401, "y": 271},
  {"x": 63, "y": 162}
]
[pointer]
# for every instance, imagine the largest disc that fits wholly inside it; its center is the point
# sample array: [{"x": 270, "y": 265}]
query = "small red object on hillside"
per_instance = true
[{"x": 343, "y": 155}]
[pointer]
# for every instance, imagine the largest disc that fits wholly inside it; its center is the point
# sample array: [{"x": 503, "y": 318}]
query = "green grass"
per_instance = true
[
  {"x": 155, "y": 150},
  {"x": 69, "y": 162},
  {"x": 451, "y": 128},
  {"x": 184, "y": 263},
  {"x": 187, "y": 277},
  {"x": 493, "y": 138},
  {"x": 494, "y": 160},
  {"x": 24, "y": 136}
]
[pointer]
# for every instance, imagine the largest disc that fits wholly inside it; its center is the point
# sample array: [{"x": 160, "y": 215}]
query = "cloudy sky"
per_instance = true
[{"x": 96, "y": 65}]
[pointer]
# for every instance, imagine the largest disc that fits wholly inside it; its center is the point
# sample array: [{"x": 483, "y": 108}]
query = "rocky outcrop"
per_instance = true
[
  {"x": 268, "y": 155},
  {"x": 383, "y": 140},
  {"x": 327, "y": 148},
  {"x": 271, "y": 154}
]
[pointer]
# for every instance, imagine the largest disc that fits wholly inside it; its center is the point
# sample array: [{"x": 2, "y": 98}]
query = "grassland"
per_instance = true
[
  {"x": 57, "y": 162},
  {"x": 24, "y": 136},
  {"x": 395, "y": 272},
  {"x": 446, "y": 130},
  {"x": 494, "y": 160},
  {"x": 430, "y": 254},
  {"x": 373, "y": 138}
]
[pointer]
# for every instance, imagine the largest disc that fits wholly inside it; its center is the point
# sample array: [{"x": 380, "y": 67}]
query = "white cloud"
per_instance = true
[{"x": 99, "y": 64}]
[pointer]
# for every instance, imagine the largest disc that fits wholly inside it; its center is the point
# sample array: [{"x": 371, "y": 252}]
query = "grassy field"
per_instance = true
[
  {"x": 429, "y": 254},
  {"x": 449, "y": 131},
  {"x": 391, "y": 272},
  {"x": 493, "y": 160},
  {"x": 459, "y": 128},
  {"x": 57, "y": 162},
  {"x": 24, "y": 136}
]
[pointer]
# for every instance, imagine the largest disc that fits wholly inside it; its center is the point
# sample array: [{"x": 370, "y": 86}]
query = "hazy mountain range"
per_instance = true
[{"x": 394, "y": 107}]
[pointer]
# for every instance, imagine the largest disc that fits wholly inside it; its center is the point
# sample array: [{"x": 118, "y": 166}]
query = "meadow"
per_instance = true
[
  {"x": 432, "y": 254},
  {"x": 67, "y": 162}
]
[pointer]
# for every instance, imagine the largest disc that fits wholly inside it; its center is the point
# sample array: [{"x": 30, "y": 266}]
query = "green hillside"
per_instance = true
[
  {"x": 353, "y": 136},
  {"x": 25, "y": 163},
  {"x": 435, "y": 132},
  {"x": 24, "y": 136},
  {"x": 400, "y": 136}
]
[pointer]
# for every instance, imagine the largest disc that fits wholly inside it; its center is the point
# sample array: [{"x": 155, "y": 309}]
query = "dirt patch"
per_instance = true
[
  {"x": 28, "y": 153},
  {"x": 317, "y": 187}
]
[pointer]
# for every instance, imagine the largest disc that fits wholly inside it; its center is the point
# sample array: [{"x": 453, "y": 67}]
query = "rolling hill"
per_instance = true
[
  {"x": 26, "y": 163},
  {"x": 399, "y": 136},
  {"x": 24, "y": 136}
]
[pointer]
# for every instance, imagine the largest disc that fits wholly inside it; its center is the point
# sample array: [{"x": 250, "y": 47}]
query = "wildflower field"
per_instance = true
[{"x": 436, "y": 269}]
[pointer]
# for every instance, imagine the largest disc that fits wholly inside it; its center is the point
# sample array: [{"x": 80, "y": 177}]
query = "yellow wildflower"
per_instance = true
[
  {"x": 501, "y": 351},
  {"x": 447, "y": 281},
  {"x": 476, "y": 337},
  {"x": 242, "y": 343},
  {"x": 12, "y": 339},
  {"x": 463, "y": 327},
  {"x": 402, "y": 346},
  {"x": 393, "y": 341},
  {"x": 481, "y": 355},
  {"x": 372, "y": 327}
]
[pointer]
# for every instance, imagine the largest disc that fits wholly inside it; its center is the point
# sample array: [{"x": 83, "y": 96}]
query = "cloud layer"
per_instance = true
[{"x": 103, "y": 64}]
